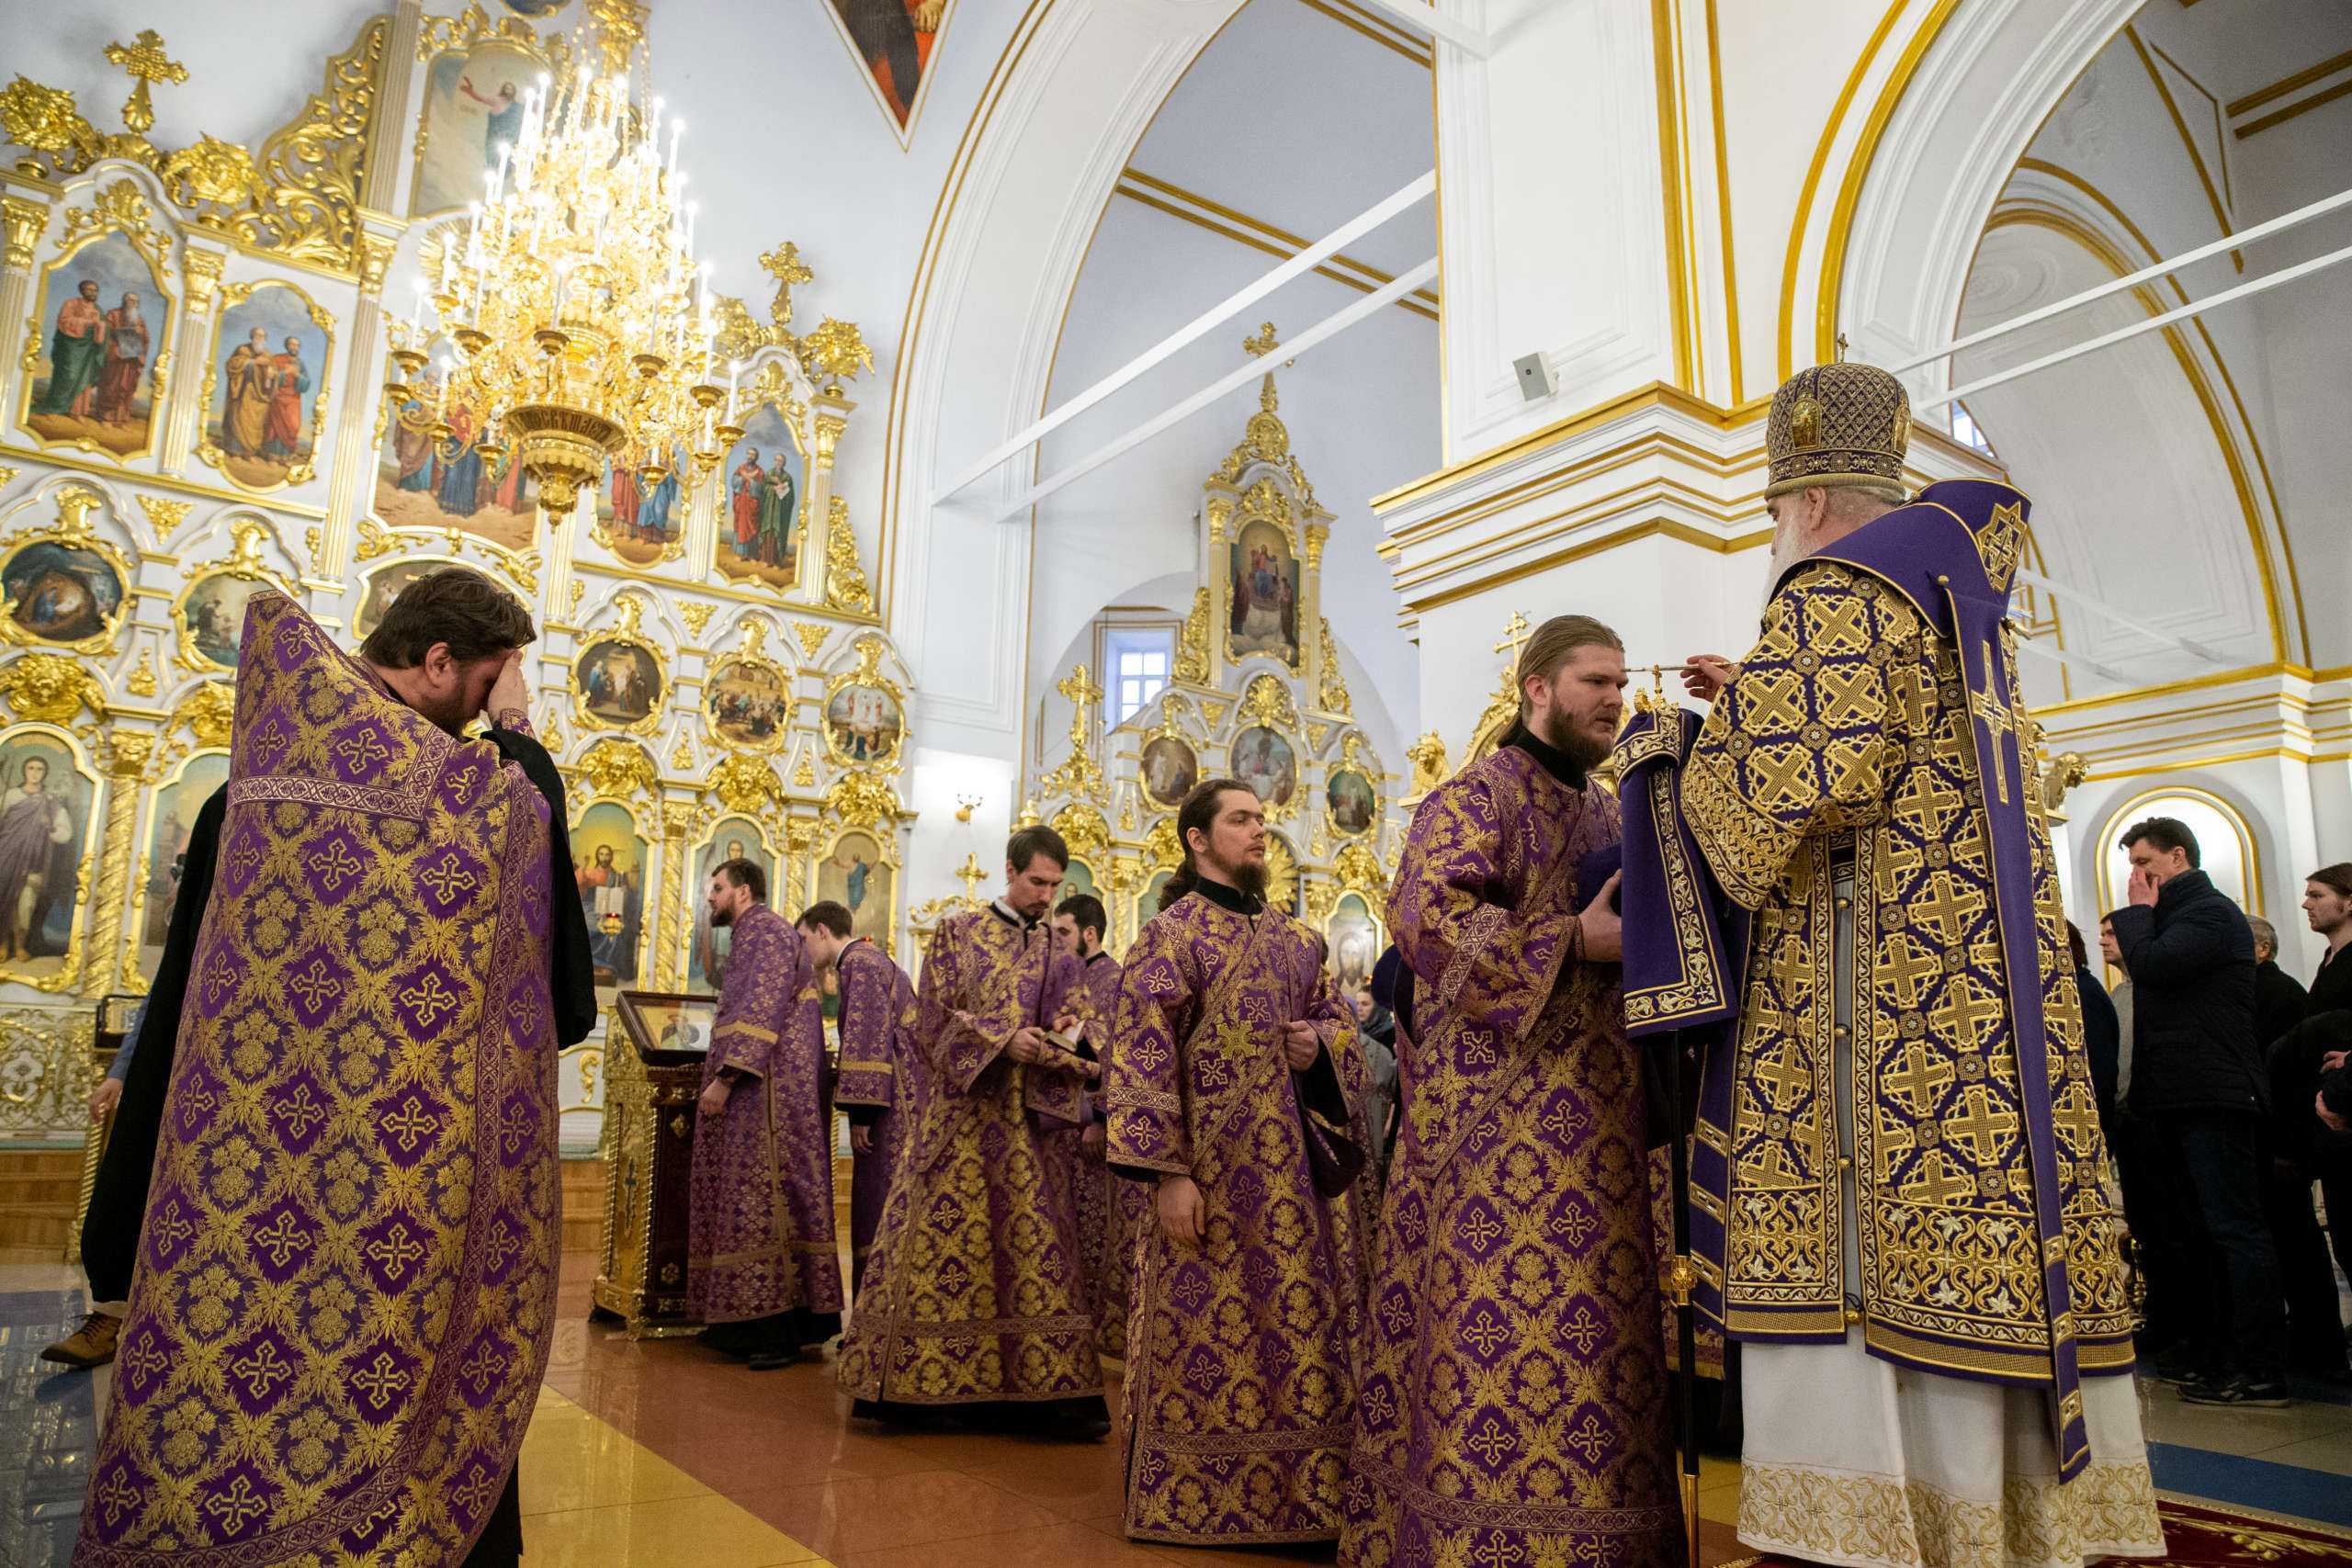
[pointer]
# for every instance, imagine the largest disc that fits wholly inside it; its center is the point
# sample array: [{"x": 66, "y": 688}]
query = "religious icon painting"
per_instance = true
[
  {"x": 1263, "y": 616},
  {"x": 894, "y": 41},
  {"x": 1352, "y": 935},
  {"x": 104, "y": 318},
  {"x": 617, "y": 683},
  {"x": 473, "y": 105},
  {"x": 423, "y": 481},
  {"x": 1264, "y": 760},
  {"x": 383, "y": 588},
  {"x": 735, "y": 838},
  {"x": 45, "y": 832},
  {"x": 1148, "y": 901},
  {"x": 266, "y": 397},
  {"x": 857, "y": 876},
  {"x": 759, "y": 511},
  {"x": 748, "y": 700},
  {"x": 1169, "y": 769},
  {"x": 213, "y": 618},
  {"x": 64, "y": 593},
  {"x": 608, "y": 864},
  {"x": 535, "y": 8},
  {"x": 1077, "y": 878},
  {"x": 166, "y": 861},
  {"x": 643, "y": 524},
  {"x": 862, "y": 722},
  {"x": 1350, "y": 801}
]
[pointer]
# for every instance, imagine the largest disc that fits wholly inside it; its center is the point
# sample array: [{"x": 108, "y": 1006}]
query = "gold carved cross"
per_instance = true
[
  {"x": 1514, "y": 637},
  {"x": 1082, "y": 695},
  {"x": 1992, "y": 708},
  {"x": 145, "y": 59},
  {"x": 783, "y": 264}
]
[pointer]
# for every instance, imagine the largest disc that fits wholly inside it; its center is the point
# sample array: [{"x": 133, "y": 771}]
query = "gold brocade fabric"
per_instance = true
[
  {"x": 1240, "y": 1390},
  {"x": 346, "y": 1274},
  {"x": 973, "y": 1291},
  {"x": 1849, "y": 728},
  {"x": 2040, "y": 1522}
]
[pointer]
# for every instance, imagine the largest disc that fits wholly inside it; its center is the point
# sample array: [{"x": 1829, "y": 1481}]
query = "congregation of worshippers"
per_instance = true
[{"x": 1764, "y": 984}]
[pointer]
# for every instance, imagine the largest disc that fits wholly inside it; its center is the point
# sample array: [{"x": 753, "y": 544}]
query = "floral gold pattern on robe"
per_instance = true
[
  {"x": 1239, "y": 1380},
  {"x": 972, "y": 1294},
  {"x": 1850, "y": 724},
  {"x": 1513, "y": 1405},
  {"x": 761, "y": 1225},
  {"x": 345, "y": 1285},
  {"x": 882, "y": 1071}
]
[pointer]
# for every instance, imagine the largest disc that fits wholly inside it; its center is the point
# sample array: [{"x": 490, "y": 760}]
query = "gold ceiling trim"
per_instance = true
[
  {"x": 1380, "y": 30},
  {"x": 1199, "y": 210}
]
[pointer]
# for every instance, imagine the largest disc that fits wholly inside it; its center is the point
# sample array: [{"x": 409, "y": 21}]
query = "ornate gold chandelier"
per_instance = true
[{"x": 581, "y": 324}]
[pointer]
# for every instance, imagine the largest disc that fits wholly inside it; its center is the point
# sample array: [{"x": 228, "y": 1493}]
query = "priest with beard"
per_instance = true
[
  {"x": 1513, "y": 1397},
  {"x": 1233, "y": 1078},
  {"x": 762, "y": 1270}
]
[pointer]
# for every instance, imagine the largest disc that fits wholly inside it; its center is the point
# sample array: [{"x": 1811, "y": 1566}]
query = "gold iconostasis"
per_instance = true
[
  {"x": 1257, "y": 693},
  {"x": 199, "y": 412}
]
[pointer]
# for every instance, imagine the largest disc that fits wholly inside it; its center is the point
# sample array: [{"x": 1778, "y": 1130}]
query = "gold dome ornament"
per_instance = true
[{"x": 1838, "y": 424}]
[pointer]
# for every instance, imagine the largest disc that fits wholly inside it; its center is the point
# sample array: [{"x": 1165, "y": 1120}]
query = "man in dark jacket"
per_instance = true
[
  {"x": 2314, "y": 1325},
  {"x": 2198, "y": 1074},
  {"x": 2102, "y": 1032}
]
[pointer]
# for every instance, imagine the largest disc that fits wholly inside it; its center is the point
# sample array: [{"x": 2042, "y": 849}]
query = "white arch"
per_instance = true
[
  {"x": 1076, "y": 88},
  {"x": 1988, "y": 78}
]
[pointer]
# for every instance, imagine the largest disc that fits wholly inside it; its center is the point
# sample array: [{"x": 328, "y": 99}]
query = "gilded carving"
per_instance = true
[
  {"x": 24, "y": 223},
  {"x": 1334, "y": 696},
  {"x": 126, "y": 754},
  {"x": 1078, "y": 773},
  {"x": 45, "y": 1069},
  {"x": 681, "y": 755},
  {"x": 617, "y": 770},
  {"x": 207, "y": 713},
  {"x": 164, "y": 517},
  {"x": 746, "y": 783},
  {"x": 697, "y": 616},
  {"x": 140, "y": 681},
  {"x": 51, "y": 688},
  {"x": 812, "y": 637},
  {"x": 1428, "y": 757},
  {"x": 1082, "y": 828},
  {"x": 845, "y": 586},
  {"x": 861, "y": 799},
  {"x": 1191, "y": 664}
]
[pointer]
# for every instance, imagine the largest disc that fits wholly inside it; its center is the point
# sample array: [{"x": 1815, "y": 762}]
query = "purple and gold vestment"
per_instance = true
[
  {"x": 884, "y": 1082},
  {"x": 346, "y": 1280},
  {"x": 761, "y": 1225},
  {"x": 972, "y": 1295},
  {"x": 1239, "y": 1376},
  {"x": 1512, "y": 1404}
]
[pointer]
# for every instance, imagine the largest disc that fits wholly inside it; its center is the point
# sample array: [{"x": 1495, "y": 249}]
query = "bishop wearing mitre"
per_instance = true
[{"x": 1899, "y": 1210}]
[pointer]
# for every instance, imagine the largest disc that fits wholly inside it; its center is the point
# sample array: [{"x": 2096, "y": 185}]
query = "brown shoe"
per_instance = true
[{"x": 92, "y": 1345}]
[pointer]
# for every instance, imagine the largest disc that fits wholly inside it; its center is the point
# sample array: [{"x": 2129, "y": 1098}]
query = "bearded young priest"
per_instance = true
[
  {"x": 1513, "y": 1399},
  {"x": 1233, "y": 1060}
]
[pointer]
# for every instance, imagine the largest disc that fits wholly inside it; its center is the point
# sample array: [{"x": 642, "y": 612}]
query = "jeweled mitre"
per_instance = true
[{"x": 1838, "y": 424}]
